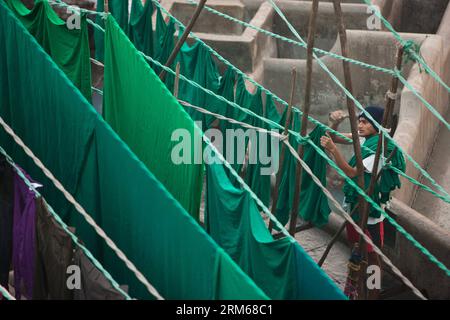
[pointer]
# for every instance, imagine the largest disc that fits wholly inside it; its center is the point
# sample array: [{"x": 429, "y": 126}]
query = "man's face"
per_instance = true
[{"x": 365, "y": 129}]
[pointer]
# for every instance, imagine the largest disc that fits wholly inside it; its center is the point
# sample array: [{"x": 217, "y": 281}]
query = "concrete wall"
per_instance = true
[
  {"x": 413, "y": 263},
  {"x": 417, "y": 127}
]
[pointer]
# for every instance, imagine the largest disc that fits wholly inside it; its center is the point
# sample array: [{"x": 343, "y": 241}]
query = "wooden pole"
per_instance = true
[
  {"x": 306, "y": 107},
  {"x": 386, "y": 119},
  {"x": 183, "y": 38},
  {"x": 338, "y": 233},
  {"x": 106, "y": 6},
  {"x": 350, "y": 104},
  {"x": 177, "y": 81},
  {"x": 287, "y": 124}
]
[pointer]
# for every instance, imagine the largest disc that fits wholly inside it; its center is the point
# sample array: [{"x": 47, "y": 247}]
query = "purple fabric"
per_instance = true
[{"x": 23, "y": 237}]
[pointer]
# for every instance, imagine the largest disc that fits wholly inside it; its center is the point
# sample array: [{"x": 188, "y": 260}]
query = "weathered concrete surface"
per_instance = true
[
  {"x": 435, "y": 209},
  {"x": 314, "y": 241},
  {"x": 424, "y": 274},
  {"x": 422, "y": 16},
  {"x": 208, "y": 22},
  {"x": 369, "y": 86},
  {"x": 417, "y": 127}
]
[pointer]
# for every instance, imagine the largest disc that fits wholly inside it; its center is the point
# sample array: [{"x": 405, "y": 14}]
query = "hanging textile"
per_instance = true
[
  {"x": 54, "y": 254},
  {"x": 93, "y": 284},
  {"x": 108, "y": 180},
  {"x": 141, "y": 29},
  {"x": 197, "y": 65},
  {"x": 146, "y": 116},
  {"x": 119, "y": 10},
  {"x": 68, "y": 48},
  {"x": 6, "y": 219},
  {"x": 279, "y": 267},
  {"x": 24, "y": 245},
  {"x": 313, "y": 203}
]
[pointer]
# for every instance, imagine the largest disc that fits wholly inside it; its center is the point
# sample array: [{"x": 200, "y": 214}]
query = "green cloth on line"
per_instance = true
[
  {"x": 68, "y": 48},
  {"x": 119, "y": 10},
  {"x": 281, "y": 268},
  {"x": 389, "y": 180},
  {"x": 313, "y": 205},
  {"x": 146, "y": 116},
  {"x": 141, "y": 29},
  {"x": 134, "y": 209},
  {"x": 196, "y": 64}
]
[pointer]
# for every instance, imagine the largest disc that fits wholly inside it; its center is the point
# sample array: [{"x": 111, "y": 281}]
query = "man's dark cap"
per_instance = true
[{"x": 376, "y": 112}]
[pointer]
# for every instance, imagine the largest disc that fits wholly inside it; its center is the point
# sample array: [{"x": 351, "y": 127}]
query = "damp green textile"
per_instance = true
[
  {"x": 163, "y": 40},
  {"x": 136, "y": 211},
  {"x": 196, "y": 64},
  {"x": 150, "y": 120},
  {"x": 99, "y": 36},
  {"x": 68, "y": 48},
  {"x": 119, "y": 10},
  {"x": 279, "y": 267},
  {"x": 141, "y": 29},
  {"x": 313, "y": 205},
  {"x": 389, "y": 179}
]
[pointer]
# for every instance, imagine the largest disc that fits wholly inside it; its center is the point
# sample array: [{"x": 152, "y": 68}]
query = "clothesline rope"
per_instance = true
[
  {"x": 281, "y": 137},
  {"x": 392, "y": 72},
  {"x": 295, "y": 109},
  {"x": 58, "y": 219},
  {"x": 294, "y": 42},
  {"x": 83, "y": 212},
  {"x": 6, "y": 293},
  {"x": 328, "y": 194},
  {"x": 414, "y": 54},
  {"x": 321, "y": 153},
  {"x": 399, "y": 228},
  {"x": 356, "y": 102}
]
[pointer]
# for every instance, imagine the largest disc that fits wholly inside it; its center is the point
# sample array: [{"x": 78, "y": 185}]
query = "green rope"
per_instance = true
[
  {"x": 329, "y": 161},
  {"x": 295, "y": 109},
  {"x": 421, "y": 98},
  {"x": 294, "y": 42},
  {"x": 65, "y": 227},
  {"x": 341, "y": 173},
  {"x": 358, "y": 104},
  {"x": 6, "y": 294},
  {"x": 284, "y": 103},
  {"x": 320, "y": 152},
  {"x": 412, "y": 50},
  {"x": 414, "y": 181},
  {"x": 398, "y": 227}
]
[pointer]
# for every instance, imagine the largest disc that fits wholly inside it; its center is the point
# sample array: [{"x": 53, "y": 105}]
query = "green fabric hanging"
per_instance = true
[
  {"x": 313, "y": 205},
  {"x": 196, "y": 64},
  {"x": 279, "y": 267},
  {"x": 68, "y": 48},
  {"x": 107, "y": 179},
  {"x": 389, "y": 180},
  {"x": 141, "y": 29},
  {"x": 164, "y": 40},
  {"x": 119, "y": 10},
  {"x": 99, "y": 36},
  {"x": 146, "y": 115},
  {"x": 258, "y": 182}
]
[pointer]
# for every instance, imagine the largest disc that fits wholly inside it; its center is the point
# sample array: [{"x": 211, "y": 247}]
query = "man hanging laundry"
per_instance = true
[{"x": 388, "y": 179}]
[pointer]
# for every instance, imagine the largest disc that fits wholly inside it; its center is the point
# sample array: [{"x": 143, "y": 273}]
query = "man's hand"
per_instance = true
[
  {"x": 336, "y": 117},
  {"x": 327, "y": 143}
]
